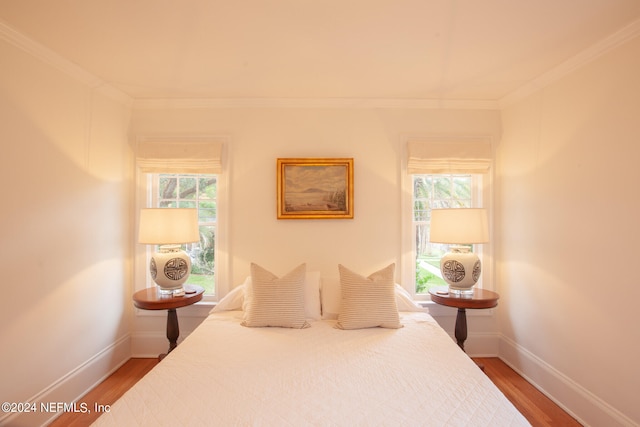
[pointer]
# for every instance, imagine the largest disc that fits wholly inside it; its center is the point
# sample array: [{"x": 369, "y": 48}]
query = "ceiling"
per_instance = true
[{"x": 365, "y": 49}]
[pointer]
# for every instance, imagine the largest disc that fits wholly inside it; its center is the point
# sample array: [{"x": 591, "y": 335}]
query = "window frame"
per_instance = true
[
  {"x": 481, "y": 196},
  {"x": 155, "y": 201},
  {"x": 144, "y": 198}
]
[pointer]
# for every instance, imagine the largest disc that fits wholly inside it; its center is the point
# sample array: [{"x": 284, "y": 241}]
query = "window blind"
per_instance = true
[
  {"x": 179, "y": 156},
  {"x": 449, "y": 156}
]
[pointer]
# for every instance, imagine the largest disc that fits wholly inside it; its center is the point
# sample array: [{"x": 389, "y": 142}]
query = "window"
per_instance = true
[
  {"x": 196, "y": 191},
  {"x": 441, "y": 172},
  {"x": 436, "y": 191},
  {"x": 187, "y": 172}
]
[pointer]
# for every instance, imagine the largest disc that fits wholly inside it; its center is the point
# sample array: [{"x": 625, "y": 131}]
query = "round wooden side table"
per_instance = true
[
  {"x": 152, "y": 299},
  {"x": 481, "y": 298}
]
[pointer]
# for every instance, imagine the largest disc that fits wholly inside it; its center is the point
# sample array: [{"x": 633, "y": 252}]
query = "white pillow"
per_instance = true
[
  {"x": 368, "y": 302},
  {"x": 312, "y": 295},
  {"x": 330, "y": 298},
  {"x": 404, "y": 300},
  {"x": 233, "y": 300},
  {"x": 276, "y": 301},
  {"x": 312, "y": 307}
]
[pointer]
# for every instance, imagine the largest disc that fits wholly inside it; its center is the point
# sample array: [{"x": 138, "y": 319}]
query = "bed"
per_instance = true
[{"x": 228, "y": 372}]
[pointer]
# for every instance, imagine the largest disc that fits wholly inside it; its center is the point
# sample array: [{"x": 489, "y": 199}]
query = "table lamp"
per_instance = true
[
  {"x": 460, "y": 227},
  {"x": 170, "y": 266}
]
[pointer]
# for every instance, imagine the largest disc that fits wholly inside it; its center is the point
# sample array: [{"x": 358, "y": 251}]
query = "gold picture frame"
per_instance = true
[{"x": 315, "y": 188}]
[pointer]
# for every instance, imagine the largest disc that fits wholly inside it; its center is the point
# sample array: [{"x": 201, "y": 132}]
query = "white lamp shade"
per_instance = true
[
  {"x": 459, "y": 226},
  {"x": 167, "y": 226}
]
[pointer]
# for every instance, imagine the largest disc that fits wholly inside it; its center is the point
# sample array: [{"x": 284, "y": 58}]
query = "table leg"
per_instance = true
[
  {"x": 173, "y": 331},
  {"x": 461, "y": 331},
  {"x": 461, "y": 327}
]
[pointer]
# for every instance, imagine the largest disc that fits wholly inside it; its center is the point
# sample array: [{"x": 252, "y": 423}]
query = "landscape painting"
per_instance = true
[{"x": 315, "y": 188}]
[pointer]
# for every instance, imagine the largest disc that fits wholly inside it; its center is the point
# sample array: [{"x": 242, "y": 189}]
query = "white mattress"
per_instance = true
[{"x": 229, "y": 375}]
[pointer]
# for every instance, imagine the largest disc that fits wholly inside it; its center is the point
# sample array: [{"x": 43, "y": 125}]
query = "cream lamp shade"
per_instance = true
[
  {"x": 170, "y": 266},
  {"x": 166, "y": 226},
  {"x": 460, "y": 226}
]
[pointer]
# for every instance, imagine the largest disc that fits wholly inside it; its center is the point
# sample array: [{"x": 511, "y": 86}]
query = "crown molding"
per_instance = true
[
  {"x": 58, "y": 62},
  {"x": 583, "y": 58},
  {"x": 53, "y": 59},
  {"x": 402, "y": 103}
]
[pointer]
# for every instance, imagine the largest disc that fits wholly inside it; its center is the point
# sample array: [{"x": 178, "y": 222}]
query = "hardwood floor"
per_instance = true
[
  {"x": 536, "y": 407},
  {"x": 107, "y": 392}
]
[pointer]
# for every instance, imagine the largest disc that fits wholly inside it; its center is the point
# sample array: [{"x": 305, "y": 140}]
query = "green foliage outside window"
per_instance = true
[
  {"x": 434, "y": 192},
  {"x": 200, "y": 192},
  {"x": 426, "y": 278}
]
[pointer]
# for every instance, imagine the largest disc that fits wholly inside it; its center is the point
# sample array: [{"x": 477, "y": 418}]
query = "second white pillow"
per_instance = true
[{"x": 368, "y": 302}]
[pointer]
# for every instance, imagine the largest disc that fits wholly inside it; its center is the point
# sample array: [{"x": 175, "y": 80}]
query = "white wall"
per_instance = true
[
  {"x": 567, "y": 216},
  {"x": 374, "y": 137},
  {"x": 65, "y": 303},
  {"x": 566, "y": 222}
]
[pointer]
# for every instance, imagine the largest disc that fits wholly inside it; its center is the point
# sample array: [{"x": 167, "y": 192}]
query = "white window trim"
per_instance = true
[
  {"x": 407, "y": 244},
  {"x": 141, "y": 275}
]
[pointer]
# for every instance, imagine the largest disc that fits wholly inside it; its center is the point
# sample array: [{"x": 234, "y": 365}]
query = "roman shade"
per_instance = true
[
  {"x": 179, "y": 156},
  {"x": 449, "y": 156}
]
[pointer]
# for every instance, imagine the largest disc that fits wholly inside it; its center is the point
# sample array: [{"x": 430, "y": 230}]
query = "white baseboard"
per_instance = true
[
  {"x": 580, "y": 403},
  {"x": 149, "y": 344},
  {"x": 71, "y": 387},
  {"x": 482, "y": 344},
  {"x": 152, "y": 344}
]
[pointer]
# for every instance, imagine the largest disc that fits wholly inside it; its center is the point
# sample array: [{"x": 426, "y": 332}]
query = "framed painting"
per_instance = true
[{"x": 315, "y": 188}]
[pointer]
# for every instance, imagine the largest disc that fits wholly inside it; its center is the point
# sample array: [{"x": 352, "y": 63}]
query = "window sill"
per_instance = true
[
  {"x": 199, "y": 309},
  {"x": 437, "y": 310}
]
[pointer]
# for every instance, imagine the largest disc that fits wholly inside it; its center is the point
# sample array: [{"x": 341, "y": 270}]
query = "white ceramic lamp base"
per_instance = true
[
  {"x": 170, "y": 268},
  {"x": 461, "y": 270}
]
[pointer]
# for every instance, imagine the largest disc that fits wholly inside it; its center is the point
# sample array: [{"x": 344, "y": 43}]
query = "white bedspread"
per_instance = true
[{"x": 225, "y": 374}]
